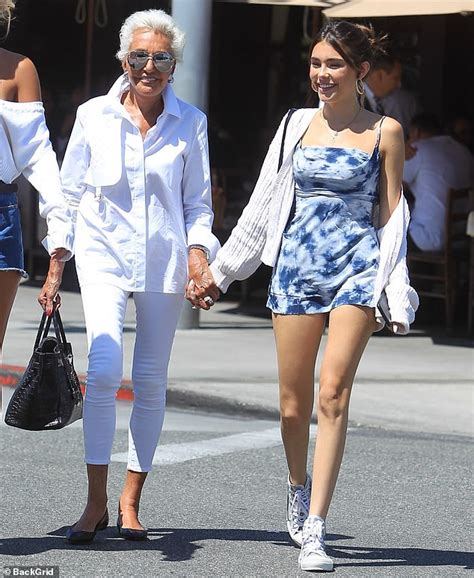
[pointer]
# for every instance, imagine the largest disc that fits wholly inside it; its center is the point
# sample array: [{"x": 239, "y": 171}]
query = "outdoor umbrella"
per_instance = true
[{"x": 375, "y": 8}]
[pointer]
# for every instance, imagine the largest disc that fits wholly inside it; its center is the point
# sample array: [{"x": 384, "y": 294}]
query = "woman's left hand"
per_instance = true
[
  {"x": 201, "y": 291},
  {"x": 49, "y": 298}
]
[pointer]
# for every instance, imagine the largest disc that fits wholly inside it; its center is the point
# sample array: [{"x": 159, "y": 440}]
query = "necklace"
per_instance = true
[{"x": 335, "y": 133}]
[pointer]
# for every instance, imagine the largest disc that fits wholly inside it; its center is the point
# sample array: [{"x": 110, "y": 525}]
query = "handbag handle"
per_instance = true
[
  {"x": 59, "y": 329},
  {"x": 43, "y": 329},
  {"x": 45, "y": 325},
  {"x": 282, "y": 146}
]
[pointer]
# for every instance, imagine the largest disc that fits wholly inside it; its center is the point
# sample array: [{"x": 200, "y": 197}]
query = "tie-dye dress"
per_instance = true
[{"x": 329, "y": 253}]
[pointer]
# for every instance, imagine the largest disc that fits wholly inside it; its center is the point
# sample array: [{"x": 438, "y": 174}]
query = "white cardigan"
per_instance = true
[{"x": 256, "y": 238}]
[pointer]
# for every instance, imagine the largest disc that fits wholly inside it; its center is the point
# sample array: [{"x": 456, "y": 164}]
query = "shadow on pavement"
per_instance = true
[
  {"x": 179, "y": 544},
  {"x": 176, "y": 544},
  {"x": 390, "y": 557}
]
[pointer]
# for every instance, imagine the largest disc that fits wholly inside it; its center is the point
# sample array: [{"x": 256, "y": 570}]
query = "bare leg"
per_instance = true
[
  {"x": 297, "y": 341},
  {"x": 9, "y": 281},
  {"x": 96, "y": 498},
  {"x": 349, "y": 330},
  {"x": 129, "y": 502}
]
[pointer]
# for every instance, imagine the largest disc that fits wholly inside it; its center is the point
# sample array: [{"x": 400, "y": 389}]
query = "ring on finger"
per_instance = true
[{"x": 209, "y": 300}]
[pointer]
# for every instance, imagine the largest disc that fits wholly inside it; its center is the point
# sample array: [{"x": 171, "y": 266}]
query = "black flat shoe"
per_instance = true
[
  {"x": 130, "y": 534},
  {"x": 83, "y": 537}
]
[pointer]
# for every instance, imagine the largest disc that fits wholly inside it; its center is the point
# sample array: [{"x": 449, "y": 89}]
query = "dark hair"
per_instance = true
[
  {"x": 384, "y": 61},
  {"x": 427, "y": 122},
  {"x": 356, "y": 43}
]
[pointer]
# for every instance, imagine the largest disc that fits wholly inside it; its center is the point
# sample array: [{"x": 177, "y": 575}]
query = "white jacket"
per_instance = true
[{"x": 256, "y": 238}]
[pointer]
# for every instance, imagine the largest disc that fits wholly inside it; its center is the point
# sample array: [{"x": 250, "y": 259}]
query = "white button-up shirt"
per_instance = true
[
  {"x": 440, "y": 164},
  {"x": 138, "y": 203}
]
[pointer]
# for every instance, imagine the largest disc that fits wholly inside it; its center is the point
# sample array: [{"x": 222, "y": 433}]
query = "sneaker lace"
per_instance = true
[
  {"x": 314, "y": 541},
  {"x": 300, "y": 507}
]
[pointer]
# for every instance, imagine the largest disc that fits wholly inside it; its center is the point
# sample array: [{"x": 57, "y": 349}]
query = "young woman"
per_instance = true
[
  {"x": 332, "y": 224},
  {"x": 25, "y": 149}
]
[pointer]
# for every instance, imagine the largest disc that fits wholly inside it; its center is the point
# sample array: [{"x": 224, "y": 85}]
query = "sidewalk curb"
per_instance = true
[{"x": 10, "y": 375}]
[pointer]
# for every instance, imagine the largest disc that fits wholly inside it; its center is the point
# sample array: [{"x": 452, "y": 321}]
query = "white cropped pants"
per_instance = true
[{"x": 157, "y": 316}]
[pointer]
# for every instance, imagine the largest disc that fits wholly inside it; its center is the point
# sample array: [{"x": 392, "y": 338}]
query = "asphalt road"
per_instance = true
[{"x": 215, "y": 503}]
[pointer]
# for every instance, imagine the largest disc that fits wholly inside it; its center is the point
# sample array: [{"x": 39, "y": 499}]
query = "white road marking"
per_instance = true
[{"x": 178, "y": 453}]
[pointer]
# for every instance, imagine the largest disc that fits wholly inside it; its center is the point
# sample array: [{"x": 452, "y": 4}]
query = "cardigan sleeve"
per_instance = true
[
  {"x": 240, "y": 256},
  {"x": 401, "y": 299}
]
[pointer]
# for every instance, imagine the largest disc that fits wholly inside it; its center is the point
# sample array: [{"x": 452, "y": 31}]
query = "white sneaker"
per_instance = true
[
  {"x": 313, "y": 550},
  {"x": 297, "y": 508}
]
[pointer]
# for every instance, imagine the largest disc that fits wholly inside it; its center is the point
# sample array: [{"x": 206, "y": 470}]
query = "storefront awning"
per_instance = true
[
  {"x": 312, "y": 3},
  {"x": 374, "y": 8}
]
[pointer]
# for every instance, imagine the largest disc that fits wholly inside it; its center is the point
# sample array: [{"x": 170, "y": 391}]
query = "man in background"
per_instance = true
[
  {"x": 434, "y": 164},
  {"x": 385, "y": 76},
  {"x": 385, "y": 95}
]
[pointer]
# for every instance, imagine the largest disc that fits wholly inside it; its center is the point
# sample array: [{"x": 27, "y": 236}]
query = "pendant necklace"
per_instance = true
[{"x": 335, "y": 133}]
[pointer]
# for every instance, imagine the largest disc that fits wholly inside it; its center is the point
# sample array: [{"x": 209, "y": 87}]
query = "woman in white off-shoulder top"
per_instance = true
[{"x": 25, "y": 149}]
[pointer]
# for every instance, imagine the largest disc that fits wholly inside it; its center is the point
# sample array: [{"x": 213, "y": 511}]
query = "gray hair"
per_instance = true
[
  {"x": 6, "y": 9},
  {"x": 157, "y": 21}
]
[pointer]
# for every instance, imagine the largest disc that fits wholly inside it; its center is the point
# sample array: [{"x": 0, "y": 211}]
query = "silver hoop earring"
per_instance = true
[
  {"x": 360, "y": 88},
  {"x": 171, "y": 79}
]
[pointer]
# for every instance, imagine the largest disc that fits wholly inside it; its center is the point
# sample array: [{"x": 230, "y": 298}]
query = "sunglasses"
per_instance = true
[{"x": 163, "y": 61}]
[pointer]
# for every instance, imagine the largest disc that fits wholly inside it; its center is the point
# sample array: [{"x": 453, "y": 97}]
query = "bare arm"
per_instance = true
[
  {"x": 392, "y": 148},
  {"x": 27, "y": 81}
]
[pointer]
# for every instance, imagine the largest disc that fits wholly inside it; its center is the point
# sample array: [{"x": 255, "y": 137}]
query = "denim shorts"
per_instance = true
[{"x": 11, "y": 243}]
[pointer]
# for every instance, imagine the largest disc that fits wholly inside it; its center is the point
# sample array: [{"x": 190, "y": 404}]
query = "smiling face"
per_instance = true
[
  {"x": 331, "y": 76},
  {"x": 148, "y": 82}
]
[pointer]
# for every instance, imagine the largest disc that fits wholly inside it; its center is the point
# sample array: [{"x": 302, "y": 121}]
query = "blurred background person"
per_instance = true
[
  {"x": 434, "y": 164},
  {"x": 459, "y": 127},
  {"x": 402, "y": 104},
  {"x": 385, "y": 76},
  {"x": 384, "y": 92}
]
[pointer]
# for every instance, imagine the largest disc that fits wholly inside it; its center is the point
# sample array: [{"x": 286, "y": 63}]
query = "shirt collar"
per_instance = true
[{"x": 171, "y": 103}]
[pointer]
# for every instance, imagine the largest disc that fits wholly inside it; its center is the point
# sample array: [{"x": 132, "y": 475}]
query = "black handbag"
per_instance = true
[{"x": 48, "y": 395}]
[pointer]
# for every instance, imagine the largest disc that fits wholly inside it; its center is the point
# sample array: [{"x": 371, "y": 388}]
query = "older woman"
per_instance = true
[
  {"x": 136, "y": 174},
  {"x": 25, "y": 149}
]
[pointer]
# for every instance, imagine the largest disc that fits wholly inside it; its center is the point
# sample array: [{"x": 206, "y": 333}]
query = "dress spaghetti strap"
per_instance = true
[{"x": 379, "y": 131}]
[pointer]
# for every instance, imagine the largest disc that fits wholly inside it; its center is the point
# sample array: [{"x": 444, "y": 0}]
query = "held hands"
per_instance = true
[
  {"x": 49, "y": 298},
  {"x": 201, "y": 291}
]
